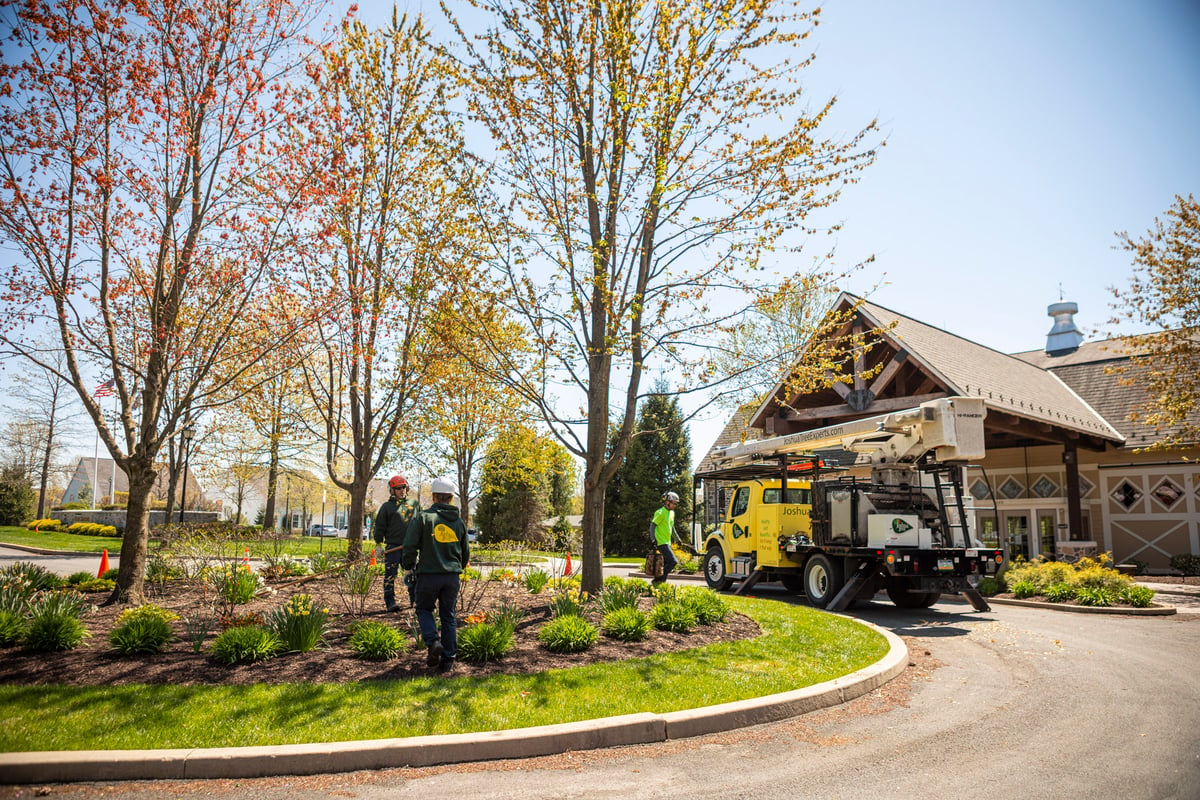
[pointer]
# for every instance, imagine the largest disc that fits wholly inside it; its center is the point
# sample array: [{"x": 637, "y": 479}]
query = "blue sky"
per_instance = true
[{"x": 1021, "y": 136}]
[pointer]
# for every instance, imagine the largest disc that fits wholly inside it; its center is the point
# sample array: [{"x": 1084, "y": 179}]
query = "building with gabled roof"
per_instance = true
[{"x": 1063, "y": 473}]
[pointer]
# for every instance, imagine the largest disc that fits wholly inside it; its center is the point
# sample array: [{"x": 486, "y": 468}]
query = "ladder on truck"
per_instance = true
[{"x": 950, "y": 499}]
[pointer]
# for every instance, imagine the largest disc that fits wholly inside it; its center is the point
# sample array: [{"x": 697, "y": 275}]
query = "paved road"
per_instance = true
[{"x": 1016, "y": 703}]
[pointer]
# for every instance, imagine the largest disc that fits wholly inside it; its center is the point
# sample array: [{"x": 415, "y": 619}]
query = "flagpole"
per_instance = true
[
  {"x": 113, "y": 500},
  {"x": 96, "y": 466}
]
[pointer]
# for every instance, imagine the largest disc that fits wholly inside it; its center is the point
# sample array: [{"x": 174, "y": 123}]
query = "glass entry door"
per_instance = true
[
  {"x": 1047, "y": 524},
  {"x": 1016, "y": 528}
]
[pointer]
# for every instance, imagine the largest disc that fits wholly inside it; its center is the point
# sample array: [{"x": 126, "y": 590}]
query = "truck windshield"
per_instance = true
[{"x": 802, "y": 496}]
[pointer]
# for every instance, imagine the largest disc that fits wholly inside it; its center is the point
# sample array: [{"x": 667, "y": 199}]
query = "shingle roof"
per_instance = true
[
  {"x": 1088, "y": 371},
  {"x": 968, "y": 368}
]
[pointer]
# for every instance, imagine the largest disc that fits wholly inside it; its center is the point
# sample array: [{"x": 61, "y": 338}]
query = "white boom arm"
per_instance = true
[{"x": 951, "y": 427}]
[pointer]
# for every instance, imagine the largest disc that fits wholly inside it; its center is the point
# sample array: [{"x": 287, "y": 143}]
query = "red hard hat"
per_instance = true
[{"x": 397, "y": 481}]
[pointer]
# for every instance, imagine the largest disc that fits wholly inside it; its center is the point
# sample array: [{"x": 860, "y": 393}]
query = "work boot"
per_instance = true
[
  {"x": 446, "y": 668},
  {"x": 435, "y": 653},
  {"x": 393, "y": 608}
]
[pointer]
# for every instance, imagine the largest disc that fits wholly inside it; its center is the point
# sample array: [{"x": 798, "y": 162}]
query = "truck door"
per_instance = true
[{"x": 739, "y": 537}]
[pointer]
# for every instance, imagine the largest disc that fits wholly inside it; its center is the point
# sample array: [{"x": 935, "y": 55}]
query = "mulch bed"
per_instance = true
[{"x": 95, "y": 664}]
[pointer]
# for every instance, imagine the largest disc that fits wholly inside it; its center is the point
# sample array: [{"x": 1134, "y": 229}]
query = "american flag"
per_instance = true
[{"x": 104, "y": 390}]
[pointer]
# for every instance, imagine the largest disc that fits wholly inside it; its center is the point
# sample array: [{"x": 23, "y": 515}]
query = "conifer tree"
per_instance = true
[{"x": 659, "y": 460}]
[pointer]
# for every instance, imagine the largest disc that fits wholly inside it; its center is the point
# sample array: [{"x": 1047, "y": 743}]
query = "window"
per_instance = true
[
  {"x": 1012, "y": 489},
  {"x": 802, "y": 496},
  {"x": 741, "y": 501},
  {"x": 1045, "y": 487},
  {"x": 1127, "y": 495},
  {"x": 979, "y": 489}
]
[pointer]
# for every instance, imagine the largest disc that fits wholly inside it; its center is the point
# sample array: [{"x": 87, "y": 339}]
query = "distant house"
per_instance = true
[
  {"x": 113, "y": 482},
  {"x": 1062, "y": 474},
  {"x": 300, "y": 501}
]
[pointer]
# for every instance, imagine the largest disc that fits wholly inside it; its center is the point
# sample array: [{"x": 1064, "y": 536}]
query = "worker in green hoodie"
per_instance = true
[{"x": 436, "y": 548}]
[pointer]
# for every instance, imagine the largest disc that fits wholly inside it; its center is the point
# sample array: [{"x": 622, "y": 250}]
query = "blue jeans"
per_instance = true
[
  {"x": 669, "y": 561},
  {"x": 440, "y": 588}
]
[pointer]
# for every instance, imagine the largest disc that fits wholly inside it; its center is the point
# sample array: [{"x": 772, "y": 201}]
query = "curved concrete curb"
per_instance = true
[
  {"x": 421, "y": 751},
  {"x": 1153, "y": 611}
]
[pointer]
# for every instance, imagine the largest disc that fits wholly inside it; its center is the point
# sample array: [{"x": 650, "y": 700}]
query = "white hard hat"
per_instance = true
[
  {"x": 444, "y": 486},
  {"x": 671, "y": 497}
]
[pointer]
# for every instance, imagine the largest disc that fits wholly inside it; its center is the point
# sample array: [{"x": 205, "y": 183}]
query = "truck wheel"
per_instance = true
[
  {"x": 822, "y": 580},
  {"x": 714, "y": 570},
  {"x": 906, "y": 599}
]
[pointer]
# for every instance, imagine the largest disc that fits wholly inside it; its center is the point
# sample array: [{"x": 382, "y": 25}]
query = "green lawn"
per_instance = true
[
  {"x": 68, "y": 542},
  {"x": 799, "y": 647}
]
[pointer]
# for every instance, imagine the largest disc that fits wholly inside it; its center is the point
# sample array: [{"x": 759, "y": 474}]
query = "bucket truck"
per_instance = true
[{"x": 784, "y": 514}]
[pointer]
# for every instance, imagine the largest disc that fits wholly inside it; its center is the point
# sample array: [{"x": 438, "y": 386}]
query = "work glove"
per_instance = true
[{"x": 410, "y": 583}]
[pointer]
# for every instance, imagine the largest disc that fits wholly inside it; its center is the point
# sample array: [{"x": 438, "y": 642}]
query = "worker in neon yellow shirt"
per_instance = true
[{"x": 664, "y": 526}]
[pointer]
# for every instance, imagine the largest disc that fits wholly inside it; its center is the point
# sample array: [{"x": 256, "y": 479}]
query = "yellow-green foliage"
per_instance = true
[
  {"x": 1086, "y": 573},
  {"x": 44, "y": 525},
  {"x": 91, "y": 529}
]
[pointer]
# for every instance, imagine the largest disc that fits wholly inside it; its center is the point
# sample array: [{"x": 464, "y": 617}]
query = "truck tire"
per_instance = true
[
  {"x": 714, "y": 570},
  {"x": 822, "y": 579},
  {"x": 906, "y": 599}
]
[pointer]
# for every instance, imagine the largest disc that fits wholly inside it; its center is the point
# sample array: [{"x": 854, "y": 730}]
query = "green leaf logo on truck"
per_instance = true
[{"x": 900, "y": 526}]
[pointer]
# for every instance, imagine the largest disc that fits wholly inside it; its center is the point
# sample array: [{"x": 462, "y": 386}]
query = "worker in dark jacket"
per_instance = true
[
  {"x": 436, "y": 548},
  {"x": 391, "y": 523}
]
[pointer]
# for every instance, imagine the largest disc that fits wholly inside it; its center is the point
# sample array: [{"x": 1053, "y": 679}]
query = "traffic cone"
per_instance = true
[
  {"x": 372, "y": 558},
  {"x": 103, "y": 564},
  {"x": 246, "y": 559},
  {"x": 567, "y": 572}
]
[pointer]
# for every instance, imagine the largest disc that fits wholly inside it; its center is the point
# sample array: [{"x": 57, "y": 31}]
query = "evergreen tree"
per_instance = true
[
  {"x": 659, "y": 460},
  {"x": 17, "y": 498}
]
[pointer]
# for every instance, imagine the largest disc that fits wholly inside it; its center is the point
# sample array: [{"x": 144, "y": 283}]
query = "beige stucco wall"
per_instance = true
[{"x": 1138, "y": 506}]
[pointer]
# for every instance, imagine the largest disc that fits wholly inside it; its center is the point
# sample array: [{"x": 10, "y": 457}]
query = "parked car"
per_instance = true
[
  {"x": 472, "y": 535},
  {"x": 321, "y": 530}
]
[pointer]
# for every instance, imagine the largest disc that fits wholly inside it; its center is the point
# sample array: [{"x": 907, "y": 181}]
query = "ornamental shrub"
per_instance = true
[
  {"x": 376, "y": 641},
  {"x": 93, "y": 585},
  {"x": 568, "y": 633},
  {"x": 246, "y": 644},
  {"x": 1187, "y": 563},
  {"x": 34, "y": 577},
  {"x": 44, "y": 525},
  {"x": 299, "y": 625},
  {"x": 567, "y": 601},
  {"x": 486, "y": 641},
  {"x": 76, "y": 578},
  {"x": 989, "y": 586},
  {"x": 627, "y": 623},
  {"x": 145, "y": 629},
  {"x": 91, "y": 529}
]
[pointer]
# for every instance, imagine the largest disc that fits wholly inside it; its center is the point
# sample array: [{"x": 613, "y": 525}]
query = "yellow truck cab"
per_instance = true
[{"x": 759, "y": 520}]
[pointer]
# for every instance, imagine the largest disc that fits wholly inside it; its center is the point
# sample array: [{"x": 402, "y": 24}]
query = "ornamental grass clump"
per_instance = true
[
  {"x": 12, "y": 628},
  {"x": 536, "y": 580},
  {"x": 1095, "y": 596},
  {"x": 54, "y": 621},
  {"x": 628, "y": 624},
  {"x": 376, "y": 641},
  {"x": 1137, "y": 596},
  {"x": 233, "y": 584},
  {"x": 618, "y": 595},
  {"x": 299, "y": 625},
  {"x": 145, "y": 629},
  {"x": 1061, "y": 592},
  {"x": 246, "y": 644},
  {"x": 485, "y": 641},
  {"x": 568, "y": 633},
  {"x": 705, "y": 604},
  {"x": 567, "y": 600},
  {"x": 672, "y": 615},
  {"x": 1023, "y": 588},
  {"x": 33, "y": 577}
]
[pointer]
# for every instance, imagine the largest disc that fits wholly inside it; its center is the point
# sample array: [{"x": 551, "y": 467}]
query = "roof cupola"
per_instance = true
[{"x": 1065, "y": 337}]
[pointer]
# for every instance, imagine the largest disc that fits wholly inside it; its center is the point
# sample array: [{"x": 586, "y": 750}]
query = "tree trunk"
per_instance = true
[
  {"x": 272, "y": 483},
  {"x": 41, "y": 512},
  {"x": 354, "y": 523},
  {"x": 135, "y": 541}
]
